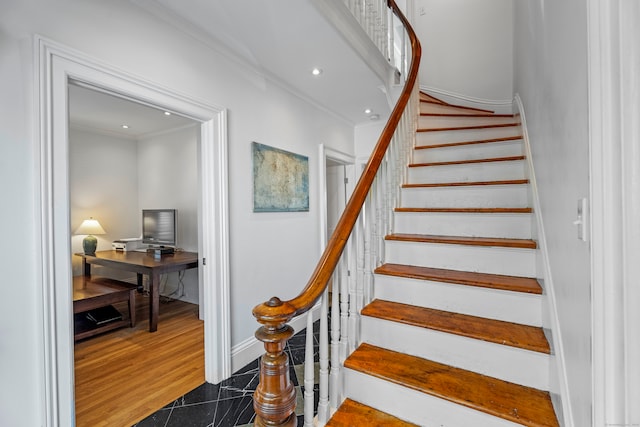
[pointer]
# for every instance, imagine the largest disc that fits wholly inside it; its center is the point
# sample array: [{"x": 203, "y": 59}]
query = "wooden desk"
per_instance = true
[{"x": 143, "y": 263}]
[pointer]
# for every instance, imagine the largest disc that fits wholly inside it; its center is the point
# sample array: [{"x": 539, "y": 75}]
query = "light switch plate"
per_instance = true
[{"x": 582, "y": 221}]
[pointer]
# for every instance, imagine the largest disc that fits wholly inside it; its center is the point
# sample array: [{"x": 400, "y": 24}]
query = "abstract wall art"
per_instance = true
[{"x": 280, "y": 180}]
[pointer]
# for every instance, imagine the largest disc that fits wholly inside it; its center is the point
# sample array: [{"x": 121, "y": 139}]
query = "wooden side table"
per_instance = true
[{"x": 94, "y": 292}]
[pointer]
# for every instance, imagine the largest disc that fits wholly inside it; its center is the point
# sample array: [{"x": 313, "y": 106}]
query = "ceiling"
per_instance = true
[
  {"x": 286, "y": 39},
  {"x": 283, "y": 39},
  {"x": 98, "y": 111}
]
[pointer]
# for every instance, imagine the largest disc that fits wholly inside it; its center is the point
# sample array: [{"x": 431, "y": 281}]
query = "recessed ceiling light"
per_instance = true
[
  {"x": 166, "y": 113},
  {"x": 367, "y": 111},
  {"x": 316, "y": 71},
  {"x": 374, "y": 117},
  {"x": 125, "y": 126}
]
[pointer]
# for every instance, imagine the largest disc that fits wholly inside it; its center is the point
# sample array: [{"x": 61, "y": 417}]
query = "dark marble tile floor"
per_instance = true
[{"x": 230, "y": 404}]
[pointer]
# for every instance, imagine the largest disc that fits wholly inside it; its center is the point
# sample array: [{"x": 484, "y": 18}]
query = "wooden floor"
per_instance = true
[{"x": 125, "y": 375}]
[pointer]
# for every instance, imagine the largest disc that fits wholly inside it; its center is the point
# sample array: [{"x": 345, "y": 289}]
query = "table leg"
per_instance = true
[
  {"x": 132, "y": 307},
  {"x": 140, "y": 282},
  {"x": 86, "y": 267},
  {"x": 154, "y": 303}
]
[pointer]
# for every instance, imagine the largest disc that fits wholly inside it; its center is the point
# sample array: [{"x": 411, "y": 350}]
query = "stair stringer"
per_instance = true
[{"x": 558, "y": 381}]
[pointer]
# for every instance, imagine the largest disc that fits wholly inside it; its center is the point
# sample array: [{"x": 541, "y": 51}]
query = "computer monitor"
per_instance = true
[{"x": 159, "y": 227}]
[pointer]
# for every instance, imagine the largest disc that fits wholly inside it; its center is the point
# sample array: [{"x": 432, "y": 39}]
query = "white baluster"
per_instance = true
[
  {"x": 388, "y": 32},
  {"x": 309, "y": 373},
  {"x": 344, "y": 302},
  {"x": 323, "y": 403},
  {"x": 391, "y": 51},
  {"x": 334, "y": 377},
  {"x": 370, "y": 242},
  {"x": 356, "y": 291},
  {"x": 382, "y": 209},
  {"x": 379, "y": 220},
  {"x": 368, "y": 224},
  {"x": 392, "y": 182}
]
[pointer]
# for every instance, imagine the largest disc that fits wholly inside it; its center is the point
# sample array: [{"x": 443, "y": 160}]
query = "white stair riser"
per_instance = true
[
  {"x": 427, "y": 107},
  {"x": 516, "y": 307},
  {"x": 485, "y": 196},
  {"x": 483, "y": 259},
  {"x": 467, "y": 172},
  {"x": 507, "y": 225},
  {"x": 495, "y": 360},
  {"x": 460, "y": 135},
  {"x": 448, "y": 121},
  {"x": 414, "y": 406},
  {"x": 469, "y": 152}
]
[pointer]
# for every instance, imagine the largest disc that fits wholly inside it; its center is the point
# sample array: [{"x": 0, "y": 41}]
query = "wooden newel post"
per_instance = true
[{"x": 275, "y": 397}]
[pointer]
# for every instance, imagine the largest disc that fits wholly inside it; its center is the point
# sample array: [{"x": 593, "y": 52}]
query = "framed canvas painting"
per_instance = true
[{"x": 280, "y": 180}]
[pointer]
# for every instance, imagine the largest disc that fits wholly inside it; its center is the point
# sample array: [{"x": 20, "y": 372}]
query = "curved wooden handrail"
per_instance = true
[
  {"x": 274, "y": 400},
  {"x": 276, "y": 311}
]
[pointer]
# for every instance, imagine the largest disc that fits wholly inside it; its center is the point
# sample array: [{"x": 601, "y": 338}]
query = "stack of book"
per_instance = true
[{"x": 103, "y": 315}]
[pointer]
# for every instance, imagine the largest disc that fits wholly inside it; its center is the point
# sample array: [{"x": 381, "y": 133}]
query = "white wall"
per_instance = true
[
  {"x": 551, "y": 77},
  {"x": 466, "y": 47},
  {"x": 103, "y": 180},
  {"x": 271, "y": 254},
  {"x": 167, "y": 167},
  {"x": 21, "y": 369},
  {"x": 365, "y": 139}
]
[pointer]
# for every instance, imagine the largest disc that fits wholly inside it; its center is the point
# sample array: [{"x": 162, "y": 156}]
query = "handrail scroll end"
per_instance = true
[{"x": 274, "y": 313}]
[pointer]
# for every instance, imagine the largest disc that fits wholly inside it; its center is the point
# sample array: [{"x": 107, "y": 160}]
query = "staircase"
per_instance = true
[{"x": 453, "y": 336}]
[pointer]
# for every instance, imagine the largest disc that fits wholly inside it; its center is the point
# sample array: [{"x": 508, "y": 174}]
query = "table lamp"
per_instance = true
[{"x": 90, "y": 227}]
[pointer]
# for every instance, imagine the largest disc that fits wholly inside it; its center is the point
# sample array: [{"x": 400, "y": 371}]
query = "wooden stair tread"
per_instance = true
[
  {"x": 479, "y": 114},
  {"x": 465, "y": 210},
  {"x": 490, "y": 330},
  {"x": 469, "y": 161},
  {"x": 462, "y": 107},
  {"x": 519, "y": 404},
  {"x": 489, "y": 126},
  {"x": 355, "y": 414},
  {"x": 464, "y": 240},
  {"x": 468, "y": 183},
  {"x": 479, "y": 141},
  {"x": 468, "y": 278}
]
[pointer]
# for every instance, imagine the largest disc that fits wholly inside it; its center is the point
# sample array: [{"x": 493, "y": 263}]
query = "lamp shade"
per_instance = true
[{"x": 89, "y": 227}]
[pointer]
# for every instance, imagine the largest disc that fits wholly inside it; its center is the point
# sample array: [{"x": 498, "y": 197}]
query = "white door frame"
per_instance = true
[
  {"x": 614, "y": 129},
  {"x": 326, "y": 153},
  {"x": 55, "y": 66}
]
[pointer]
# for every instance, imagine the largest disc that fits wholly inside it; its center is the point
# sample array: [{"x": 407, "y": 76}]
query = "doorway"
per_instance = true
[
  {"x": 125, "y": 157},
  {"x": 56, "y": 65},
  {"x": 337, "y": 182}
]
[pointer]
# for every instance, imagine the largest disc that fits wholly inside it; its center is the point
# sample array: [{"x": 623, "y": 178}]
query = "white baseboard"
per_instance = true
[
  {"x": 250, "y": 349},
  {"x": 499, "y": 106},
  {"x": 550, "y": 315}
]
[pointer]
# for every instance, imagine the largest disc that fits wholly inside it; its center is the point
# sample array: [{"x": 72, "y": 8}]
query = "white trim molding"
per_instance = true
[
  {"x": 498, "y": 106},
  {"x": 558, "y": 369},
  {"x": 56, "y": 65},
  {"x": 614, "y": 142}
]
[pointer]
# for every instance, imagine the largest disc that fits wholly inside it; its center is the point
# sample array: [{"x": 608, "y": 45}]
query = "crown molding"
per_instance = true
[{"x": 217, "y": 45}]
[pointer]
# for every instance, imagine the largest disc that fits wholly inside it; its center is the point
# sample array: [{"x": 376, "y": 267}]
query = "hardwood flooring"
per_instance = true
[{"x": 125, "y": 375}]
